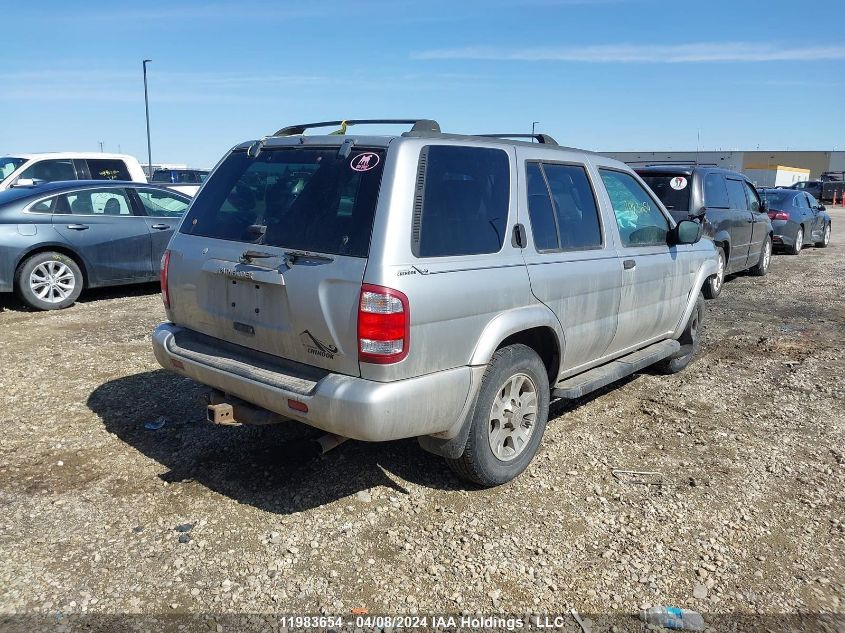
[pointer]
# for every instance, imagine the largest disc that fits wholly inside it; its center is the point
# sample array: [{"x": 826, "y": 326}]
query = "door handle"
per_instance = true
[
  {"x": 77, "y": 227},
  {"x": 628, "y": 264},
  {"x": 160, "y": 227}
]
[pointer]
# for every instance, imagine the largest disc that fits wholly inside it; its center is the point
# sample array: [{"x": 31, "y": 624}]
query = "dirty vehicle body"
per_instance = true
[
  {"x": 426, "y": 285},
  {"x": 57, "y": 238},
  {"x": 798, "y": 219},
  {"x": 730, "y": 209}
]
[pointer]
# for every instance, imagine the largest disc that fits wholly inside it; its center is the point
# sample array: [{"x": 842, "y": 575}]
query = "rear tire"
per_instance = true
[
  {"x": 690, "y": 342},
  {"x": 48, "y": 281},
  {"x": 762, "y": 266},
  {"x": 509, "y": 418},
  {"x": 795, "y": 249},
  {"x": 714, "y": 283},
  {"x": 825, "y": 237}
]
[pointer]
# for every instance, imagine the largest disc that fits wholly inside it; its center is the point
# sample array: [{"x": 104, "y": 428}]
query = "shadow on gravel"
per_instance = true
[
  {"x": 275, "y": 468},
  {"x": 9, "y": 301}
]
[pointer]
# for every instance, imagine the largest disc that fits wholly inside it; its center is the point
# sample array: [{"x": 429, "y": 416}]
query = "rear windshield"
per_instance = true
[
  {"x": 778, "y": 198},
  {"x": 672, "y": 189},
  {"x": 307, "y": 199}
]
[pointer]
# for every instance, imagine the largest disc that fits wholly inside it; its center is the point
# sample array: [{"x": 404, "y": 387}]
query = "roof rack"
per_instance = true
[
  {"x": 545, "y": 139},
  {"x": 418, "y": 125},
  {"x": 670, "y": 163}
]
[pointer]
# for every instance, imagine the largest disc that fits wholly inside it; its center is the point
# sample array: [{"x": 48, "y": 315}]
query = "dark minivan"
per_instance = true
[{"x": 729, "y": 207}]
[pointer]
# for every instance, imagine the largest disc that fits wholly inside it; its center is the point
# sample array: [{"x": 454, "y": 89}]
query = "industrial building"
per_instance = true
[{"x": 764, "y": 168}]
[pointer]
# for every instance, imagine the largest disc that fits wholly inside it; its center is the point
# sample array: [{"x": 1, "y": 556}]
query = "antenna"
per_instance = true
[{"x": 698, "y": 146}]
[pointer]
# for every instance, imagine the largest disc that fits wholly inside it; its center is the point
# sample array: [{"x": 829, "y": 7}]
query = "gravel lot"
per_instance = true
[{"x": 100, "y": 516}]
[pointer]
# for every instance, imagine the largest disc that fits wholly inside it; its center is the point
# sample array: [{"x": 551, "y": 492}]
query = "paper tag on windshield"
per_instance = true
[{"x": 678, "y": 183}]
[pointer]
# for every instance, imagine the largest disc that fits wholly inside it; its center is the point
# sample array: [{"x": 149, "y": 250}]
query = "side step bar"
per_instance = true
[{"x": 601, "y": 376}]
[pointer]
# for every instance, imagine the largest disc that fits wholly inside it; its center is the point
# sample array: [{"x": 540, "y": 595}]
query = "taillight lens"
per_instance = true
[
  {"x": 383, "y": 325},
  {"x": 165, "y": 292},
  {"x": 778, "y": 215}
]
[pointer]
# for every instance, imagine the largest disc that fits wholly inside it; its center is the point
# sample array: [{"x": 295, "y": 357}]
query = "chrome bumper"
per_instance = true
[{"x": 344, "y": 405}]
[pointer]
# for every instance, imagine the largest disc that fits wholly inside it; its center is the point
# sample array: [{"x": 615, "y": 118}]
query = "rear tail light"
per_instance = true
[
  {"x": 165, "y": 291},
  {"x": 778, "y": 215},
  {"x": 383, "y": 325}
]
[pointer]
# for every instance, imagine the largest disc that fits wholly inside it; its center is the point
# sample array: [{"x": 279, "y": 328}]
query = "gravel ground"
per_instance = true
[{"x": 747, "y": 515}]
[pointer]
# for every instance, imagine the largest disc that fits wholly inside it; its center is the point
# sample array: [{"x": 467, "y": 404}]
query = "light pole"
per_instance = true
[
  {"x": 533, "y": 125},
  {"x": 147, "y": 108}
]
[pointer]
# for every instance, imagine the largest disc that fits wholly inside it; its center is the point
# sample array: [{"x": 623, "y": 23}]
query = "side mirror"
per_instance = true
[
  {"x": 821, "y": 207},
  {"x": 24, "y": 182},
  {"x": 764, "y": 206},
  {"x": 686, "y": 232}
]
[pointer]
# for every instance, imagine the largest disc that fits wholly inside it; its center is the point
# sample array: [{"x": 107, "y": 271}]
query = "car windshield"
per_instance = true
[
  {"x": 8, "y": 164},
  {"x": 310, "y": 199},
  {"x": 777, "y": 198},
  {"x": 672, "y": 189}
]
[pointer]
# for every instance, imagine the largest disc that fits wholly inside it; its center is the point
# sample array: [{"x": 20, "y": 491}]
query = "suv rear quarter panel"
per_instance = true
[{"x": 456, "y": 302}]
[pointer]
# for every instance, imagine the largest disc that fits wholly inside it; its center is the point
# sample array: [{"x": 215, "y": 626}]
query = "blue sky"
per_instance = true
[{"x": 598, "y": 74}]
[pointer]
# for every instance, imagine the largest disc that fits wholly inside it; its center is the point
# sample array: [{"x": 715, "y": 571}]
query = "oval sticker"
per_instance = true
[
  {"x": 364, "y": 162},
  {"x": 678, "y": 182}
]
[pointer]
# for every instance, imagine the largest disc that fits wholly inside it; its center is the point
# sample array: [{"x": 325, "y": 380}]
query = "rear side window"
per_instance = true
[
  {"x": 640, "y": 221},
  {"x": 736, "y": 194},
  {"x": 715, "y": 193},
  {"x": 308, "y": 199},
  {"x": 45, "y": 206},
  {"x": 461, "y": 204},
  {"x": 108, "y": 169},
  {"x": 563, "y": 195},
  {"x": 110, "y": 201}
]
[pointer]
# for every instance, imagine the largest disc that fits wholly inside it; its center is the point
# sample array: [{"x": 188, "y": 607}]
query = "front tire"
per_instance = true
[
  {"x": 48, "y": 281},
  {"x": 799, "y": 242},
  {"x": 690, "y": 342},
  {"x": 825, "y": 237},
  {"x": 509, "y": 418},
  {"x": 762, "y": 265},
  {"x": 714, "y": 283}
]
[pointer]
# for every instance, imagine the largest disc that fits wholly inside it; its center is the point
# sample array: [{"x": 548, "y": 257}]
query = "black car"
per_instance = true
[
  {"x": 729, "y": 207},
  {"x": 798, "y": 219},
  {"x": 57, "y": 238}
]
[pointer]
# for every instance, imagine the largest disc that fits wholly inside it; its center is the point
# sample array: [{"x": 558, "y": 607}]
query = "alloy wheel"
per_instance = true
[
  {"x": 512, "y": 417},
  {"x": 52, "y": 281}
]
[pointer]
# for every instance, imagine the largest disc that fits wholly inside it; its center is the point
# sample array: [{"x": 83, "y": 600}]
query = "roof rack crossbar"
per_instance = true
[
  {"x": 545, "y": 139},
  {"x": 418, "y": 125}
]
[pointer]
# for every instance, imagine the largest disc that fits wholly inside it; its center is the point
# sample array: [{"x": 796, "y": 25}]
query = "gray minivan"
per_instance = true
[{"x": 426, "y": 285}]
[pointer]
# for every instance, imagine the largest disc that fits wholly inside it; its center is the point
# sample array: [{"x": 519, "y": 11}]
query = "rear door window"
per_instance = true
[
  {"x": 640, "y": 221},
  {"x": 540, "y": 210},
  {"x": 461, "y": 208},
  {"x": 308, "y": 199},
  {"x": 736, "y": 194},
  {"x": 715, "y": 193},
  {"x": 50, "y": 170},
  {"x": 562, "y": 207},
  {"x": 161, "y": 204},
  {"x": 108, "y": 169}
]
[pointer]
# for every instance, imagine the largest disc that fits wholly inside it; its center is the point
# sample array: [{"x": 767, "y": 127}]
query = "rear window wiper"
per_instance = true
[{"x": 292, "y": 257}]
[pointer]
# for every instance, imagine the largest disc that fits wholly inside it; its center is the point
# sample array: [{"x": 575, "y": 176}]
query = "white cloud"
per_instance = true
[{"x": 644, "y": 54}]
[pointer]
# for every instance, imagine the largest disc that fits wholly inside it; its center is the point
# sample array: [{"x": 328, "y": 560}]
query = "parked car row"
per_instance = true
[
  {"x": 57, "y": 238},
  {"x": 426, "y": 285},
  {"x": 22, "y": 170}
]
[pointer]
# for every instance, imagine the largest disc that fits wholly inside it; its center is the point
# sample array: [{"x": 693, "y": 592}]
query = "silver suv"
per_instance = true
[{"x": 425, "y": 285}]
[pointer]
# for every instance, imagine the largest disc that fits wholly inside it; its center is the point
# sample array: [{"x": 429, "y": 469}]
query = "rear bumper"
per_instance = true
[
  {"x": 345, "y": 405},
  {"x": 784, "y": 232}
]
